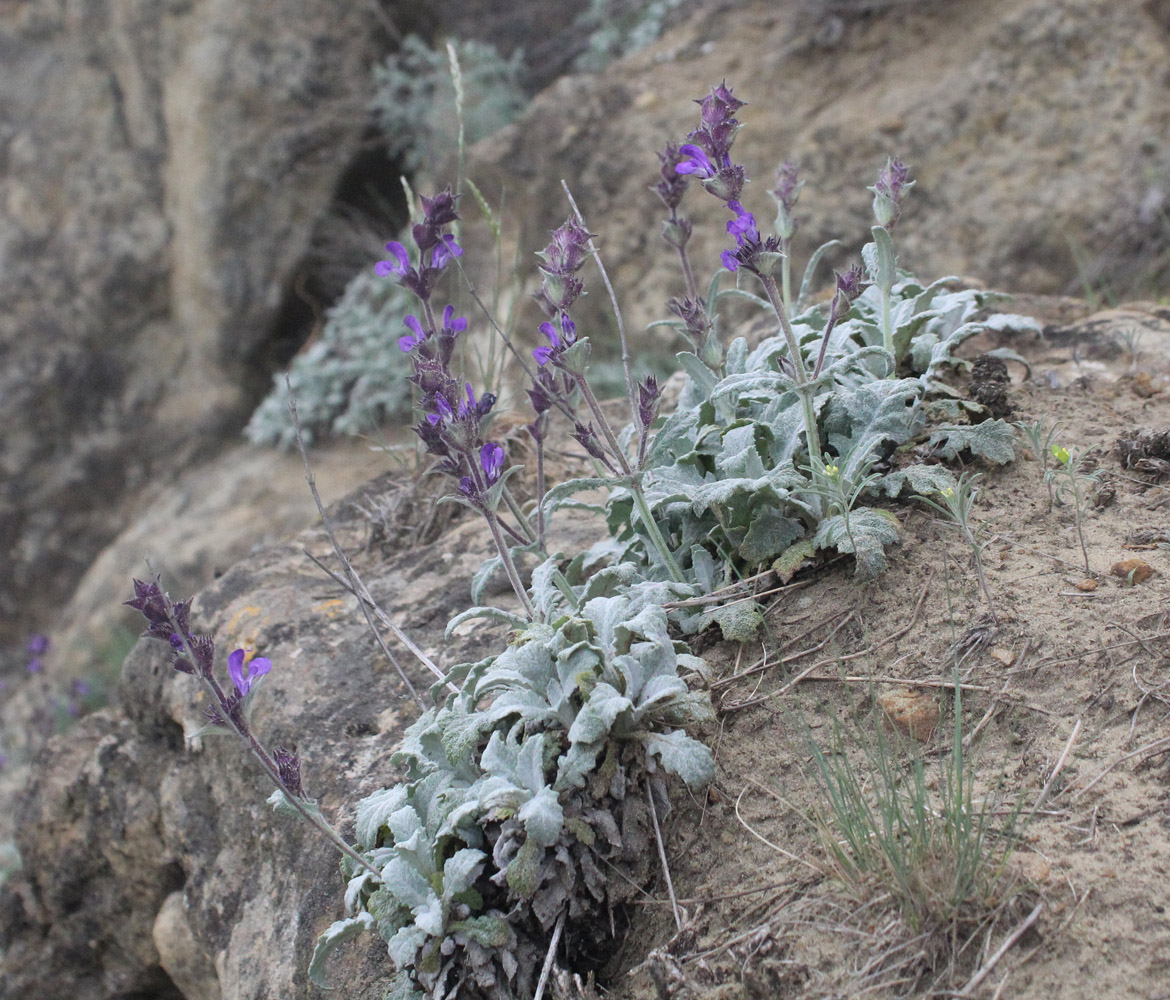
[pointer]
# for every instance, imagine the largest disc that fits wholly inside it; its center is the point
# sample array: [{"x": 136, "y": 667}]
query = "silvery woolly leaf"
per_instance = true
[
  {"x": 610, "y": 581},
  {"x": 404, "y": 946},
  {"x": 683, "y": 756},
  {"x": 865, "y": 535},
  {"x": 523, "y": 872},
  {"x": 736, "y": 359},
  {"x": 993, "y": 440},
  {"x": 493, "y": 614},
  {"x": 406, "y": 884},
  {"x": 374, "y": 810},
  {"x": 769, "y": 534},
  {"x": 924, "y": 480},
  {"x": 597, "y": 715},
  {"x": 487, "y": 930},
  {"x": 739, "y": 457},
  {"x": 739, "y": 622},
  {"x": 546, "y": 595},
  {"x": 331, "y": 937},
  {"x": 403, "y": 988},
  {"x": 483, "y": 576},
  {"x": 700, "y": 376},
  {"x": 542, "y": 817},
  {"x": 810, "y": 269},
  {"x": 460, "y": 872},
  {"x": 658, "y": 689}
]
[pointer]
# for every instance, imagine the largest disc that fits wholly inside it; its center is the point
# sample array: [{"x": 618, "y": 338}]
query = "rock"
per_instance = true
[
  {"x": 1087, "y": 585},
  {"x": 912, "y": 713},
  {"x": 1133, "y": 571}
]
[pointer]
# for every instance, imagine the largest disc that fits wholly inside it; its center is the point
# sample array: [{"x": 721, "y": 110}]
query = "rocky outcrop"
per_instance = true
[
  {"x": 153, "y": 867},
  {"x": 1032, "y": 129},
  {"x": 164, "y": 165}
]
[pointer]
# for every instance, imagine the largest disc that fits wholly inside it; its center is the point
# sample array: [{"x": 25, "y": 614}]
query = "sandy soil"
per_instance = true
[{"x": 1066, "y": 668}]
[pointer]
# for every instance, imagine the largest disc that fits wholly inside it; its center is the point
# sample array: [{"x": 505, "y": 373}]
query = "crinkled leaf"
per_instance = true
[
  {"x": 374, "y": 810},
  {"x": 865, "y": 535},
  {"x": 542, "y": 817},
  {"x": 993, "y": 440},
  {"x": 702, "y": 378},
  {"x": 921, "y": 479},
  {"x": 597, "y": 715},
  {"x": 460, "y": 871},
  {"x": 739, "y": 622},
  {"x": 684, "y": 756},
  {"x": 769, "y": 533},
  {"x": 487, "y": 930},
  {"x": 793, "y": 558},
  {"x": 331, "y": 937}
]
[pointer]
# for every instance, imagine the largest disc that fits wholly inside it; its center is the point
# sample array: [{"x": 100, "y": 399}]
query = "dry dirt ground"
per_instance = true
[{"x": 1069, "y": 692}]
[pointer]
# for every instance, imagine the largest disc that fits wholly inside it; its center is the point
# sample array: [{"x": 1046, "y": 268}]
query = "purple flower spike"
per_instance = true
[
  {"x": 288, "y": 766},
  {"x": 697, "y": 162},
  {"x": 409, "y": 342},
  {"x": 398, "y": 266},
  {"x": 243, "y": 677},
  {"x": 491, "y": 458}
]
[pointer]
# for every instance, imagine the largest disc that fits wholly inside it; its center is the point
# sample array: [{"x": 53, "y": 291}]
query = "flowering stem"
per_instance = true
[
  {"x": 509, "y": 565},
  {"x": 312, "y": 816},
  {"x": 688, "y": 273},
  {"x": 627, "y": 364},
  {"x": 887, "y": 326},
  {"x": 655, "y": 533},
  {"x": 804, "y": 389},
  {"x": 595, "y": 409},
  {"x": 786, "y": 274}
]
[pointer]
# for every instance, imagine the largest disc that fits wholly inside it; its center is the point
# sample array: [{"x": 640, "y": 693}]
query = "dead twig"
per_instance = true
[
  {"x": 662, "y": 855},
  {"x": 991, "y": 963},
  {"x": 356, "y": 585}
]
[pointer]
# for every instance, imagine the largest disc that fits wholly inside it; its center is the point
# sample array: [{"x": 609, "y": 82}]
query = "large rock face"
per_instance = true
[{"x": 163, "y": 165}]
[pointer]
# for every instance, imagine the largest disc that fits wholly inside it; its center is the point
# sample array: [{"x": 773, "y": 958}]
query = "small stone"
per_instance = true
[
  {"x": 1004, "y": 656},
  {"x": 1087, "y": 585},
  {"x": 912, "y": 713},
  {"x": 1133, "y": 570},
  {"x": 1144, "y": 386}
]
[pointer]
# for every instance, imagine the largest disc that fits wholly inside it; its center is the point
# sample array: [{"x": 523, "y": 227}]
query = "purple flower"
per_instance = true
[
  {"x": 743, "y": 226},
  {"x": 409, "y": 342},
  {"x": 697, "y": 162},
  {"x": 545, "y": 354},
  {"x": 729, "y": 260},
  {"x": 491, "y": 459},
  {"x": 451, "y": 325},
  {"x": 445, "y": 412},
  {"x": 35, "y": 665},
  {"x": 243, "y": 677},
  {"x": 38, "y": 644},
  {"x": 445, "y": 251},
  {"x": 399, "y": 266}
]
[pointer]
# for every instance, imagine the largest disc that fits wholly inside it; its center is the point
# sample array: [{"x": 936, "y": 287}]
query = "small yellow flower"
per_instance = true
[
  {"x": 832, "y": 471},
  {"x": 946, "y": 492},
  {"x": 1060, "y": 454}
]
